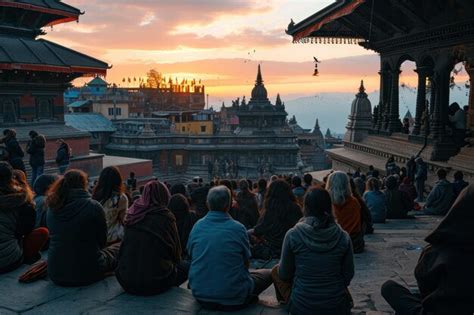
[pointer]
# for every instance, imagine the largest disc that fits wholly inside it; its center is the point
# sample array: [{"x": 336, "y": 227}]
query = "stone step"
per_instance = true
[{"x": 397, "y": 146}]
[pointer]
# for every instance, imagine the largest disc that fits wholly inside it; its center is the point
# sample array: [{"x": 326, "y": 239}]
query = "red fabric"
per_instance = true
[
  {"x": 49, "y": 68},
  {"x": 346, "y": 10},
  {"x": 33, "y": 242},
  {"x": 348, "y": 216}
]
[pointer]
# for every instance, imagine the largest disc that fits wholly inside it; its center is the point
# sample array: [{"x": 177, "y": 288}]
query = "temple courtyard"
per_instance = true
[{"x": 391, "y": 253}]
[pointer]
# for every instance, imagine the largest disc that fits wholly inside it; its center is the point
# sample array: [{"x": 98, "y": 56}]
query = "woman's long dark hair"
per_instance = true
[
  {"x": 244, "y": 188},
  {"x": 59, "y": 191},
  {"x": 317, "y": 203},
  {"x": 110, "y": 182},
  {"x": 278, "y": 199}
]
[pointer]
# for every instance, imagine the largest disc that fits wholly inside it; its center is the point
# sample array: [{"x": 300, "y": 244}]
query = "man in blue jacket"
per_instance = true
[{"x": 220, "y": 251}]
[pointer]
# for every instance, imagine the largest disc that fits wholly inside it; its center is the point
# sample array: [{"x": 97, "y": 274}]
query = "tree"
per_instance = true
[{"x": 154, "y": 78}]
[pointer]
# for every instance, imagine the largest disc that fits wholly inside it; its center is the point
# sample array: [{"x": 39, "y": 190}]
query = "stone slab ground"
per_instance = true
[{"x": 391, "y": 253}]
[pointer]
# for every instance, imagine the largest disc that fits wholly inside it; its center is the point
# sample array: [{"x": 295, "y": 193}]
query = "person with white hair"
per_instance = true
[
  {"x": 220, "y": 252},
  {"x": 347, "y": 209}
]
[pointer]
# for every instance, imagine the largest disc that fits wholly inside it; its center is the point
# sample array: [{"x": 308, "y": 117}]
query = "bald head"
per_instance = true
[{"x": 218, "y": 199}]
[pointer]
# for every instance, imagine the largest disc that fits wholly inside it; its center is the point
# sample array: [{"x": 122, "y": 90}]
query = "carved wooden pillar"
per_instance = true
[
  {"x": 420, "y": 98},
  {"x": 381, "y": 107},
  {"x": 394, "y": 124},
  {"x": 387, "y": 79},
  {"x": 440, "y": 86},
  {"x": 470, "y": 113}
]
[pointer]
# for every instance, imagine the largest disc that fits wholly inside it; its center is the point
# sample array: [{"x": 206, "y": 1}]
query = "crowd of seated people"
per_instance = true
[{"x": 157, "y": 236}]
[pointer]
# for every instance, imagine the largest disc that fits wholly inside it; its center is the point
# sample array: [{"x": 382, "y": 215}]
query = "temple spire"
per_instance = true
[
  {"x": 278, "y": 100},
  {"x": 259, "y": 80},
  {"x": 316, "y": 126},
  {"x": 362, "y": 88}
]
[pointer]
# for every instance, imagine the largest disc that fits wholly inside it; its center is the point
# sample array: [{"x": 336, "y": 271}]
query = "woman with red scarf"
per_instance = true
[{"x": 150, "y": 253}]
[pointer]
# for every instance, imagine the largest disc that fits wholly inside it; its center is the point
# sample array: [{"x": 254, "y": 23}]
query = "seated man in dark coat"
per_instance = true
[
  {"x": 398, "y": 202},
  {"x": 444, "y": 272}
]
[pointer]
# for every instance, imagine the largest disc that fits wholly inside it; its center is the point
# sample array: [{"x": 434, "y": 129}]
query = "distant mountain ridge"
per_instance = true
[{"x": 332, "y": 109}]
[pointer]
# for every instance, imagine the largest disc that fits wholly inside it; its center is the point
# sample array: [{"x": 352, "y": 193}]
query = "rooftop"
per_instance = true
[
  {"x": 90, "y": 122},
  {"x": 42, "y": 55}
]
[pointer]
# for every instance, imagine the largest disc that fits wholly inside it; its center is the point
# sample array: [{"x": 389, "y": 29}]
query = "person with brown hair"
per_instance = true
[
  {"x": 247, "y": 212},
  {"x": 316, "y": 264},
  {"x": 19, "y": 241},
  {"x": 150, "y": 255},
  {"x": 347, "y": 209},
  {"x": 20, "y": 178},
  {"x": 281, "y": 213},
  {"x": 110, "y": 192},
  {"x": 444, "y": 271},
  {"x": 77, "y": 251}
]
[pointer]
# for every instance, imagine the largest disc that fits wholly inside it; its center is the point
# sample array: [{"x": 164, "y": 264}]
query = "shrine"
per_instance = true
[
  {"x": 436, "y": 35},
  {"x": 34, "y": 73}
]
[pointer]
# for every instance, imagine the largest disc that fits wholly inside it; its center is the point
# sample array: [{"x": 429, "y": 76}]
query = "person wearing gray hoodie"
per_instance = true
[
  {"x": 316, "y": 265},
  {"x": 441, "y": 196}
]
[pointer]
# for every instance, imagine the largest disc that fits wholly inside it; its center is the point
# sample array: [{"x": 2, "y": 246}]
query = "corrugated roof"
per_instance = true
[
  {"x": 81, "y": 103},
  {"x": 90, "y": 122},
  {"x": 30, "y": 54}
]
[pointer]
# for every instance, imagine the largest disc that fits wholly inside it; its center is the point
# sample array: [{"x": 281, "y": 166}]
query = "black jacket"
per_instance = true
[
  {"x": 444, "y": 272},
  {"x": 35, "y": 149},
  {"x": 149, "y": 253},
  {"x": 78, "y": 232},
  {"x": 63, "y": 155},
  {"x": 17, "y": 218},
  {"x": 15, "y": 154}
]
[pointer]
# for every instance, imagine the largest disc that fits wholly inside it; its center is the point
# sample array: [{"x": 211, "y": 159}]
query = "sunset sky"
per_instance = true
[{"x": 211, "y": 39}]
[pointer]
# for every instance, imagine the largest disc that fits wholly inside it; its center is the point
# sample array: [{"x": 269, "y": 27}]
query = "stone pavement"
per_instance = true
[{"x": 391, "y": 253}]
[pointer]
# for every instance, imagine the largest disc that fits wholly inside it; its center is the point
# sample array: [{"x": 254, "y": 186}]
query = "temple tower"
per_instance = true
[{"x": 360, "y": 119}]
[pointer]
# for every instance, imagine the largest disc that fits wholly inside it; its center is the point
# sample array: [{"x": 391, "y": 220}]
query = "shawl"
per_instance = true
[{"x": 155, "y": 197}]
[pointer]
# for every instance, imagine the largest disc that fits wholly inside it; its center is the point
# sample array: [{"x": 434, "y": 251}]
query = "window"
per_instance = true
[
  {"x": 9, "y": 111},
  {"x": 118, "y": 111},
  {"x": 203, "y": 128},
  {"x": 179, "y": 160},
  {"x": 183, "y": 129},
  {"x": 44, "y": 108}
]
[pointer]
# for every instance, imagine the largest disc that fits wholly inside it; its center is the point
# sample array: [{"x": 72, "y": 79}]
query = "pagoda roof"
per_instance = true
[
  {"x": 97, "y": 81},
  {"x": 382, "y": 25},
  {"x": 43, "y": 55},
  {"x": 320, "y": 20},
  {"x": 64, "y": 12}
]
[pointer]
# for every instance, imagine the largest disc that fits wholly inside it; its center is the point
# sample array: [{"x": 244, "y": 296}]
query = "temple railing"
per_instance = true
[{"x": 400, "y": 159}]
